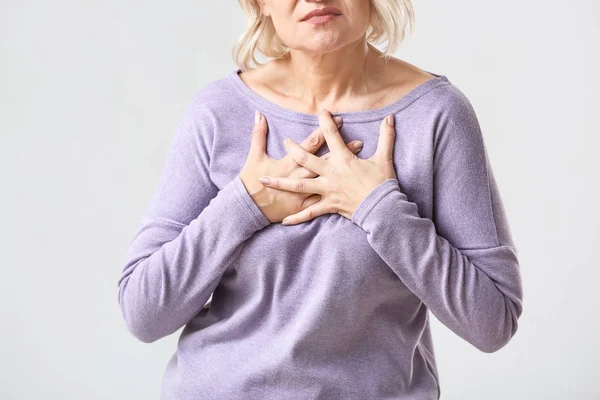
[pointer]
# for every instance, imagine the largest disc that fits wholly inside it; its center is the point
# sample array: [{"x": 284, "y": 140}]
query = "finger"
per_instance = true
[
  {"x": 304, "y": 158},
  {"x": 312, "y": 211},
  {"x": 330, "y": 132},
  {"x": 293, "y": 185},
  {"x": 258, "y": 139},
  {"x": 310, "y": 200},
  {"x": 387, "y": 137},
  {"x": 315, "y": 140},
  {"x": 355, "y": 146}
]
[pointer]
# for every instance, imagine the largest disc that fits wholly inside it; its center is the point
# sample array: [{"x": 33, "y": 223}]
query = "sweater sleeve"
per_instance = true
[
  {"x": 462, "y": 263},
  {"x": 190, "y": 233}
]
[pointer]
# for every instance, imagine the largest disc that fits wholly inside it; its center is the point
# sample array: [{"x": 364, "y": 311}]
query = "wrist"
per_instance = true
[
  {"x": 257, "y": 191},
  {"x": 261, "y": 197}
]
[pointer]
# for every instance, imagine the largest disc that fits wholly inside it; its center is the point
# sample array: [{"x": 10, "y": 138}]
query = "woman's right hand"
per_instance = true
[{"x": 277, "y": 204}]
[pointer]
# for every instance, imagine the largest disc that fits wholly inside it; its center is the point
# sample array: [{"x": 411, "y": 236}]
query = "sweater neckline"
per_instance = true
[{"x": 348, "y": 116}]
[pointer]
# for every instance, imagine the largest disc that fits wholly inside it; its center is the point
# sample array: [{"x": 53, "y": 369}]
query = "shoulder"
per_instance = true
[
  {"x": 450, "y": 102},
  {"x": 441, "y": 104},
  {"x": 437, "y": 96},
  {"x": 456, "y": 123},
  {"x": 447, "y": 99},
  {"x": 454, "y": 103},
  {"x": 205, "y": 110},
  {"x": 200, "y": 116},
  {"x": 450, "y": 110},
  {"x": 214, "y": 97}
]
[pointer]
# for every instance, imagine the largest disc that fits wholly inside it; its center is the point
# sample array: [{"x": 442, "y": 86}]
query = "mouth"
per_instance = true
[{"x": 322, "y": 15}]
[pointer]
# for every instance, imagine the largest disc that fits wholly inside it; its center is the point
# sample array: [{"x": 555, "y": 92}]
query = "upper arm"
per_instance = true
[
  {"x": 468, "y": 210},
  {"x": 184, "y": 187}
]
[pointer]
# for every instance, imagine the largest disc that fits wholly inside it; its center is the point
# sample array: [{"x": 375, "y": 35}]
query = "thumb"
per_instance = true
[
  {"x": 258, "y": 140},
  {"x": 310, "y": 200},
  {"x": 387, "y": 136}
]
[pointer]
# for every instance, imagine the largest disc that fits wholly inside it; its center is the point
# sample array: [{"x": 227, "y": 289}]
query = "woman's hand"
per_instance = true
[
  {"x": 344, "y": 180},
  {"x": 277, "y": 204}
]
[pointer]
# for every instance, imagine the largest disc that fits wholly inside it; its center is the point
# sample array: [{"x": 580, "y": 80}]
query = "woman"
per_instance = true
[{"x": 332, "y": 303}]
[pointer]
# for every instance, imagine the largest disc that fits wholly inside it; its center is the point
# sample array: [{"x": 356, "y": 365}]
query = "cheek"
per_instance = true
[
  {"x": 358, "y": 12},
  {"x": 283, "y": 15},
  {"x": 286, "y": 29},
  {"x": 358, "y": 15},
  {"x": 356, "y": 26}
]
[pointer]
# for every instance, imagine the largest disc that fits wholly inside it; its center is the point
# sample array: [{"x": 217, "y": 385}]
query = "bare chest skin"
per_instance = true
[{"x": 401, "y": 78}]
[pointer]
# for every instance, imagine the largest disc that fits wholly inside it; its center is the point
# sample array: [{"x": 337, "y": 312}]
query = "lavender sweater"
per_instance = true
[{"x": 331, "y": 308}]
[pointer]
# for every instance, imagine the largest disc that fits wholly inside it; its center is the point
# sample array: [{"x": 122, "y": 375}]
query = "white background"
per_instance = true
[{"x": 90, "y": 94}]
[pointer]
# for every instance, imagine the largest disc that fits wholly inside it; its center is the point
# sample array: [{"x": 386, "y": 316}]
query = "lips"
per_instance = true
[{"x": 322, "y": 11}]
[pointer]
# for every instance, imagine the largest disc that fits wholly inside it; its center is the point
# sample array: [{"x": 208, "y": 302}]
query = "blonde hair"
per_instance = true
[{"x": 389, "y": 21}]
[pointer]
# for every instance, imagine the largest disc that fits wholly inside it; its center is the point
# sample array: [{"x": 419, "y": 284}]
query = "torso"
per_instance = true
[{"x": 313, "y": 306}]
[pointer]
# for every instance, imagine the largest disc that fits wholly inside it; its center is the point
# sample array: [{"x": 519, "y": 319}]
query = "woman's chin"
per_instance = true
[{"x": 321, "y": 43}]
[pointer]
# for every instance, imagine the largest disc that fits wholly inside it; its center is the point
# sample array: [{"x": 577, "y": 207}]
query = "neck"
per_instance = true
[{"x": 321, "y": 80}]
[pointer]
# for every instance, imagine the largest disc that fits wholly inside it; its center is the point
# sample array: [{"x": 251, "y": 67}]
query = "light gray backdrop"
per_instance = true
[{"x": 91, "y": 92}]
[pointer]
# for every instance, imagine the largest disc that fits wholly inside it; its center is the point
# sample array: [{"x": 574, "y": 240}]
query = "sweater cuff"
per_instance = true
[
  {"x": 369, "y": 202},
  {"x": 250, "y": 207}
]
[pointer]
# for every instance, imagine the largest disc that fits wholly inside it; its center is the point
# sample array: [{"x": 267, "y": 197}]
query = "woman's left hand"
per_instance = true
[{"x": 343, "y": 180}]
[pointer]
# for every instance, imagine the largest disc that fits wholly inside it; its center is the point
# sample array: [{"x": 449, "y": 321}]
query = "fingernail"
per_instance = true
[
  {"x": 256, "y": 117},
  {"x": 390, "y": 120},
  {"x": 285, "y": 221},
  {"x": 265, "y": 180},
  {"x": 359, "y": 145},
  {"x": 338, "y": 120}
]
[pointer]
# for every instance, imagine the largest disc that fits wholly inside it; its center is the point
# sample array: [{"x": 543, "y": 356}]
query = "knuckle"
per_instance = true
[
  {"x": 388, "y": 158},
  {"x": 328, "y": 130},
  {"x": 310, "y": 213},
  {"x": 302, "y": 159},
  {"x": 314, "y": 140},
  {"x": 299, "y": 186},
  {"x": 349, "y": 158}
]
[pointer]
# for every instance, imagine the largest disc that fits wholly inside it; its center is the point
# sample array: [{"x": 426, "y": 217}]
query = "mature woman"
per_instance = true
[{"x": 397, "y": 215}]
